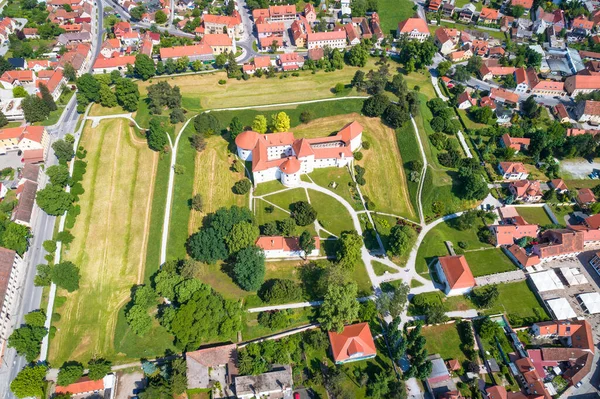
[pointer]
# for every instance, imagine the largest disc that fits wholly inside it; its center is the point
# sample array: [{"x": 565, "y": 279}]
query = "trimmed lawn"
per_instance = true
[
  {"x": 562, "y": 212},
  {"x": 433, "y": 243},
  {"x": 408, "y": 145},
  {"x": 385, "y": 177},
  {"x": 99, "y": 110},
  {"x": 380, "y": 269},
  {"x": 119, "y": 187},
  {"x": 534, "y": 215},
  {"x": 443, "y": 339},
  {"x": 469, "y": 123},
  {"x": 392, "y": 12},
  {"x": 341, "y": 176},
  {"x": 517, "y": 299},
  {"x": 262, "y": 216},
  {"x": 298, "y": 317},
  {"x": 415, "y": 283},
  {"x": 488, "y": 261},
  {"x": 286, "y": 198},
  {"x": 268, "y": 187},
  {"x": 331, "y": 215}
]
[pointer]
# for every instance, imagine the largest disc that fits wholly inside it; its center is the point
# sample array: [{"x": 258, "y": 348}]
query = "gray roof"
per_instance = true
[
  {"x": 30, "y": 172},
  {"x": 209, "y": 365},
  {"x": 438, "y": 368},
  {"x": 7, "y": 258},
  {"x": 273, "y": 381},
  {"x": 22, "y": 213},
  {"x": 65, "y": 38}
]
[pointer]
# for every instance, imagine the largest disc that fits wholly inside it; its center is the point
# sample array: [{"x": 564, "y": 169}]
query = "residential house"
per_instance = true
[
  {"x": 448, "y": 10},
  {"x": 316, "y": 53},
  {"x": 461, "y": 55},
  {"x": 581, "y": 22},
  {"x": 110, "y": 48},
  {"x": 310, "y": 13},
  {"x": 353, "y": 343},
  {"x": 489, "y": 16},
  {"x": 39, "y": 65},
  {"x": 413, "y": 29},
  {"x": 107, "y": 65},
  {"x": 196, "y": 52},
  {"x": 582, "y": 84},
  {"x": 219, "y": 43},
  {"x": 32, "y": 141},
  {"x": 454, "y": 273},
  {"x": 526, "y": 190},
  {"x": 277, "y": 383},
  {"x": 491, "y": 69},
  {"x": 504, "y": 96},
  {"x": 439, "y": 384},
  {"x": 79, "y": 56},
  {"x": 516, "y": 143},
  {"x": 512, "y": 171},
  {"x": 560, "y": 186},
  {"x": 464, "y": 100},
  {"x": 213, "y": 368},
  {"x": 467, "y": 13},
  {"x": 376, "y": 28},
  {"x": 335, "y": 39},
  {"x": 11, "y": 268},
  {"x": 300, "y": 29},
  {"x": 31, "y": 33},
  {"x": 275, "y": 13},
  {"x": 230, "y": 24},
  {"x": 588, "y": 111},
  {"x": 290, "y": 61},
  {"x": 507, "y": 234},
  {"x": 267, "y": 43},
  {"x": 270, "y": 29},
  {"x": 351, "y": 35},
  {"x": 561, "y": 113},
  {"x": 259, "y": 62},
  {"x": 545, "y": 20},
  {"x": 54, "y": 81},
  {"x": 285, "y": 247},
  {"x": 443, "y": 41},
  {"x": 526, "y": 4},
  {"x": 521, "y": 257},
  {"x": 85, "y": 387},
  {"x": 530, "y": 379},
  {"x": 26, "y": 191},
  {"x": 576, "y": 333},
  {"x": 280, "y": 156},
  {"x": 585, "y": 197},
  {"x": 11, "y": 79}
]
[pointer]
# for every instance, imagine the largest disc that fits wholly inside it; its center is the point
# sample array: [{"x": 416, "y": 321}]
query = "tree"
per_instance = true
[
  {"x": 30, "y": 382},
  {"x": 197, "y": 202},
  {"x": 89, "y": 88},
  {"x": 259, "y": 124},
  {"x": 69, "y": 72},
  {"x": 379, "y": 387},
  {"x": 444, "y": 67},
  {"x": 306, "y": 242},
  {"x": 349, "y": 248},
  {"x": 394, "y": 302},
  {"x": 220, "y": 60},
  {"x": 16, "y": 237},
  {"x": 461, "y": 73},
  {"x": 241, "y": 187},
  {"x": 242, "y": 235},
  {"x": 235, "y": 127},
  {"x": 176, "y": 116},
  {"x": 530, "y": 108},
  {"x": 54, "y": 200},
  {"x": 27, "y": 341},
  {"x": 36, "y": 318},
  {"x": 160, "y": 17},
  {"x": 98, "y": 368},
  {"x": 138, "y": 320},
  {"x": 144, "y": 67},
  {"x": 66, "y": 275},
  {"x": 207, "y": 124},
  {"x": 43, "y": 278},
  {"x": 47, "y": 97},
  {"x": 3, "y": 119},
  {"x": 107, "y": 97},
  {"x": 34, "y": 109},
  {"x": 358, "y": 81},
  {"x": 481, "y": 114},
  {"x": 375, "y": 105},
  {"x": 517, "y": 11},
  {"x": 473, "y": 184},
  {"x": 137, "y": 12},
  {"x": 128, "y": 94},
  {"x": 280, "y": 291},
  {"x": 58, "y": 174},
  {"x": 63, "y": 150},
  {"x": 198, "y": 142},
  {"x": 69, "y": 373},
  {"x": 303, "y": 213},
  {"x": 280, "y": 122},
  {"x": 339, "y": 306},
  {"x": 65, "y": 237},
  {"x": 206, "y": 246},
  {"x": 358, "y": 55},
  {"x": 156, "y": 135},
  {"x": 395, "y": 116},
  {"x": 400, "y": 239},
  {"x": 249, "y": 268},
  {"x": 19, "y": 92},
  {"x": 485, "y": 297},
  {"x": 474, "y": 64}
]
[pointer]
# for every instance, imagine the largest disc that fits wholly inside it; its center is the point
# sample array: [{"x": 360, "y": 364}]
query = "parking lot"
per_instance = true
[{"x": 580, "y": 169}]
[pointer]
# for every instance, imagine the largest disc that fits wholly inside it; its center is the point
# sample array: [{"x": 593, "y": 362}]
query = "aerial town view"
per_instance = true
[{"x": 335, "y": 199}]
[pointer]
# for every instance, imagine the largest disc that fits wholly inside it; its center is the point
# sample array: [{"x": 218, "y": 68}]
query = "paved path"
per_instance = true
[
  {"x": 497, "y": 278},
  {"x": 423, "y": 172},
  {"x": 464, "y": 145}
]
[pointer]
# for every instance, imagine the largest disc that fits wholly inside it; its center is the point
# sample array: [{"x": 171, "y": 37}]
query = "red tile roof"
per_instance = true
[
  {"x": 521, "y": 255},
  {"x": 496, "y": 392},
  {"x": 228, "y": 20},
  {"x": 82, "y": 386},
  {"x": 526, "y": 188},
  {"x": 114, "y": 62},
  {"x": 585, "y": 196},
  {"x": 513, "y": 167},
  {"x": 282, "y": 243},
  {"x": 515, "y": 142},
  {"x": 412, "y": 24},
  {"x": 321, "y": 36},
  {"x": 559, "y": 184},
  {"x": 274, "y": 27},
  {"x": 526, "y": 4},
  {"x": 506, "y": 234},
  {"x": 457, "y": 271},
  {"x": 217, "y": 39},
  {"x": 506, "y": 95},
  {"x": 582, "y": 23},
  {"x": 353, "y": 340},
  {"x": 489, "y": 13}
]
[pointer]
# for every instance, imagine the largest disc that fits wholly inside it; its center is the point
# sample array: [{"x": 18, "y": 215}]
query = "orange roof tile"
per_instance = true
[
  {"x": 412, "y": 24},
  {"x": 457, "y": 271},
  {"x": 82, "y": 386},
  {"x": 353, "y": 340}
]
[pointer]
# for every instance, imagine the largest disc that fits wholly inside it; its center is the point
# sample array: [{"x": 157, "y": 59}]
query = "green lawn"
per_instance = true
[
  {"x": 392, "y": 12},
  {"x": 298, "y": 317},
  {"x": 444, "y": 339},
  {"x": 263, "y": 216},
  {"x": 534, "y": 215},
  {"x": 517, "y": 299},
  {"x": 561, "y": 212},
  {"x": 268, "y": 187},
  {"x": 469, "y": 123},
  {"x": 433, "y": 243},
  {"x": 380, "y": 268},
  {"x": 409, "y": 151},
  {"x": 325, "y": 176},
  {"x": 331, "y": 215},
  {"x": 488, "y": 261},
  {"x": 99, "y": 110},
  {"x": 286, "y": 198}
]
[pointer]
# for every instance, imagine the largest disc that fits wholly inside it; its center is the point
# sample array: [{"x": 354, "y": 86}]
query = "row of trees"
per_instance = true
[{"x": 97, "y": 89}]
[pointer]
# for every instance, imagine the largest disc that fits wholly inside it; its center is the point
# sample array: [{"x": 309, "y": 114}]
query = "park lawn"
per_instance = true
[
  {"x": 385, "y": 177},
  {"x": 286, "y": 198},
  {"x": 488, "y": 261},
  {"x": 534, "y": 215},
  {"x": 332, "y": 215},
  {"x": 433, "y": 243},
  {"x": 380, "y": 269},
  {"x": 324, "y": 177},
  {"x": 517, "y": 299},
  {"x": 576, "y": 184},
  {"x": 392, "y": 12},
  {"x": 204, "y": 92},
  {"x": 444, "y": 339},
  {"x": 118, "y": 184},
  {"x": 262, "y": 216},
  {"x": 99, "y": 110},
  {"x": 268, "y": 187},
  {"x": 408, "y": 145}
]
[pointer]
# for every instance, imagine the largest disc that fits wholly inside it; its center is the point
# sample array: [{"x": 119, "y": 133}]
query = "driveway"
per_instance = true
[
  {"x": 11, "y": 159},
  {"x": 579, "y": 169}
]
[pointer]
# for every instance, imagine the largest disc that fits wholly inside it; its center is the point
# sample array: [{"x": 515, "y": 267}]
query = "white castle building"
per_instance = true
[{"x": 280, "y": 156}]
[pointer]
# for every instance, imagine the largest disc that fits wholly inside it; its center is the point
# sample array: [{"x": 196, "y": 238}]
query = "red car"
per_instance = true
[{"x": 296, "y": 395}]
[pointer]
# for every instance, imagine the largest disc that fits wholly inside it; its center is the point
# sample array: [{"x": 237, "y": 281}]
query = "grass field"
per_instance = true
[
  {"x": 488, "y": 261},
  {"x": 433, "y": 243},
  {"x": 392, "y": 12},
  {"x": 99, "y": 110},
  {"x": 380, "y": 268},
  {"x": 517, "y": 299},
  {"x": 534, "y": 215},
  {"x": 341, "y": 176},
  {"x": 406, "y": 140},
  {"x": 561, "y": 212},
  {"x": 119, "y": 186},
  {"x": 331, "y": 215},
  {"x": 443, "y": 339},
  {"x": 469, "y": 123},
  {"x": 385, "y": 177}
]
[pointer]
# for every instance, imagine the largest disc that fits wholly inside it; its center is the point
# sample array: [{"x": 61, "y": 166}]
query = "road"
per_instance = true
[{"x": 42, "y": 229}]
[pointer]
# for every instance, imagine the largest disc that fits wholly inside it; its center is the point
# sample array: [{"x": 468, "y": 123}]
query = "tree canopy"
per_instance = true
[
  {"x": 339, "y": 306},
  {"x": 249, "y": 268}
]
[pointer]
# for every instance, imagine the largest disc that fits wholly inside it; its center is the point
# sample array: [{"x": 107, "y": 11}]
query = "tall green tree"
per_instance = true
[
  {"x": 47, "y": 97},
  {"x": 128, "y": 94},
  {"x": 259, "y": 124},
  {"x": 30, "y": 382},
  {"x": 339, "y": 306},
  {"x": 235, "y": 127},
  {"x": 242, "y": 235},
  {"x": 69, "y": 373},
  {"x": 98, "y": 368},
  {"x": 89, "y": 88},
  {"x": 54, "y": 200},
  {"x": 66, "y": 275},
  {"x": 144, "y": 67},
  {"x": 249, "y": 268},
  {"x": 156, "y": 135},
  {"x": 34, "y": 109},
  {"x": 27, "y": 341},
  {"x": 349, "y": 250},
  {"x": 306, "y": 242}
]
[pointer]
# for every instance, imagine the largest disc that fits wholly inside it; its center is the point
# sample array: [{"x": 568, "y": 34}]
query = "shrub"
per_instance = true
[
  {"x": 306, "y": 116},
  {"x": 222, "y": 81},
  {"x": 463, "y": 244},
  {"x": 242, "y": 187},
  {"x": 358, "y": 155},
  {"x": 366, "y": 145},
  {"x": 339, "y": 87},
  {"x": 280, "y": 291}
]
